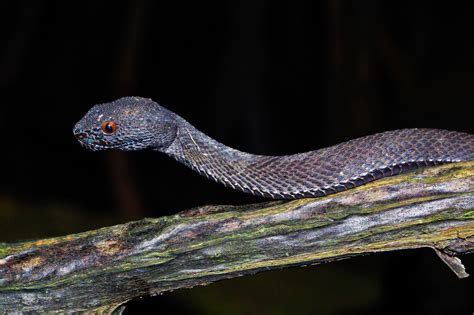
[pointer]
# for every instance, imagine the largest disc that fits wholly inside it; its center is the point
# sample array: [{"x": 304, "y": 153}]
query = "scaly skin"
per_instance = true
[{"x": 143, "y": 124}]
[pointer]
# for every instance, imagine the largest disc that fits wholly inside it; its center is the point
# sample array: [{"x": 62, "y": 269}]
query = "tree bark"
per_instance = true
[{"x": 102, "y": 269}]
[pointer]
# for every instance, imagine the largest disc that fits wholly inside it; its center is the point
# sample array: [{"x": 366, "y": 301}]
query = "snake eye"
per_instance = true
[{"x": 109, "y": 127}]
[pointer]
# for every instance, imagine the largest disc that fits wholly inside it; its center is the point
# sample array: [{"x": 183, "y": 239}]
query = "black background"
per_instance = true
[{"x": 265, "y": 77}]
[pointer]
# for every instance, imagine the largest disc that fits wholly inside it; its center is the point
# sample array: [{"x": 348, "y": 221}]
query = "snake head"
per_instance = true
[{"x": 129, "y": 123}]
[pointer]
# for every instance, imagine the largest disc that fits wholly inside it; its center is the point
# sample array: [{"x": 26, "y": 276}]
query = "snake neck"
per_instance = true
[
  {"x": 320, "y": 172},
  {"x": 216, "y": 161}
]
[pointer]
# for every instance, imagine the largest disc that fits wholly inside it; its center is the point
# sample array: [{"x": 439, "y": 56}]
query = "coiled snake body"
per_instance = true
[{"x": 134, "y": 123}]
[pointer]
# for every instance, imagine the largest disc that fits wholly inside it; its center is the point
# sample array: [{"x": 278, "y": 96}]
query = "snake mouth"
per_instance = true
[
  {"x": 88, "y": 142},
  {"x": 93, "y": 147},
  {"x": 95, "y": 144}
]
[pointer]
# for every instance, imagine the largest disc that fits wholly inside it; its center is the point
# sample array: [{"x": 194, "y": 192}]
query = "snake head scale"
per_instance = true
[{"x": 129, "y": 123}]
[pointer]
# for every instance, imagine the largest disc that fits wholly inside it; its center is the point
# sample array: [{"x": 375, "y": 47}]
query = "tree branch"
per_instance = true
[{"x": 102, "y": 269}]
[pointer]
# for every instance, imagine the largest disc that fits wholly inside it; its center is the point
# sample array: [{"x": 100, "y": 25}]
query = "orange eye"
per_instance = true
[{"x": 109, "y": 127}]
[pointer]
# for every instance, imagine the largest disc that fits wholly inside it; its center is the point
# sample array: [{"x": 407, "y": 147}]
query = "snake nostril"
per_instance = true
[{"x": 80, "y": 135}]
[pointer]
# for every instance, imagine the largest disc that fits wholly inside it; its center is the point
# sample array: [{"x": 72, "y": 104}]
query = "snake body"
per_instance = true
[{"x": 141, "y": 123}]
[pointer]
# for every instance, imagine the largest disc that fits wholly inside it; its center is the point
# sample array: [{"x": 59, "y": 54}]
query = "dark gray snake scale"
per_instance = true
[{"x": 141, "y": 123}]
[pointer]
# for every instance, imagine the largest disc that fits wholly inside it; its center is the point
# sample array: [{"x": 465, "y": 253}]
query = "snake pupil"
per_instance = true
[{"x": 109, "y": 127}]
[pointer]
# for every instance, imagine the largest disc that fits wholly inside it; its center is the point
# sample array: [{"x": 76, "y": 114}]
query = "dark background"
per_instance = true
[{"x": 266, "y": 77}]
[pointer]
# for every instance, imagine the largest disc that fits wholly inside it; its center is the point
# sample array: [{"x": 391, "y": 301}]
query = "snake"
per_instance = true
[{"x": 136, "y": 123}]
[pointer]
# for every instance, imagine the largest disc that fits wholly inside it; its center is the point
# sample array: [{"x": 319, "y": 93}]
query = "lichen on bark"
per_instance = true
[{"x": 102, "y": 269}]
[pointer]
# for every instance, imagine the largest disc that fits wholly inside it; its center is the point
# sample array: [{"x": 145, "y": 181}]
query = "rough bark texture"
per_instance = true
[{"x": 99, "y": 270}]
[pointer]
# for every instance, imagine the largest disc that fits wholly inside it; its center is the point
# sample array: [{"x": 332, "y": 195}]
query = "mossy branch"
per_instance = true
[{"x": 99, "y": 270}]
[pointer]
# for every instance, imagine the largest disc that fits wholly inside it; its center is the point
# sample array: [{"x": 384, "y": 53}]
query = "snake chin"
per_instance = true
[{"x": 93, "y": 146}]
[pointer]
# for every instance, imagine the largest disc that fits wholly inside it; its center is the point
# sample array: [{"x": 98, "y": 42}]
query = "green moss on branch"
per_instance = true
[{"x": 104, "y": 268}]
